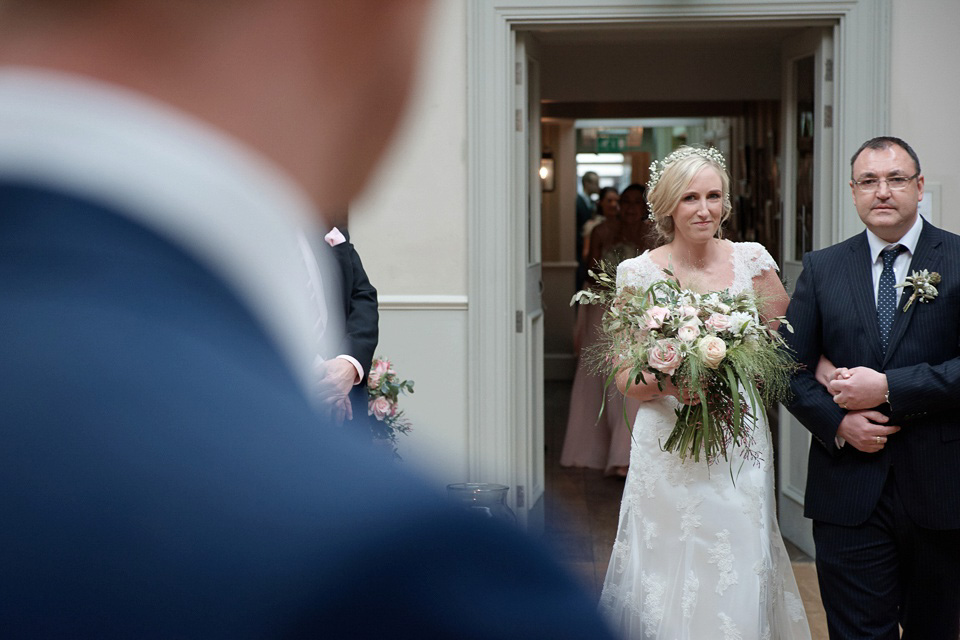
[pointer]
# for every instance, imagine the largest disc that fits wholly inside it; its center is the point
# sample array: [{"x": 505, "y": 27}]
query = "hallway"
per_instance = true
[{"x": 582, "y": 506}]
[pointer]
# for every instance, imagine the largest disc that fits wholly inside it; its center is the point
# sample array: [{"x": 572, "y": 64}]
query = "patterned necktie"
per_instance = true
[{"x": 887, "y": 295}]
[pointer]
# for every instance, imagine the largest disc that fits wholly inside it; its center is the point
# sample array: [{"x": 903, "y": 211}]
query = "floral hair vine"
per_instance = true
[{"x": 657, "y": 167}]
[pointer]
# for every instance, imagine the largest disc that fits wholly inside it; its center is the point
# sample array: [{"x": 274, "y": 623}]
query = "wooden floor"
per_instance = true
[{"x": 582, "y": 506}]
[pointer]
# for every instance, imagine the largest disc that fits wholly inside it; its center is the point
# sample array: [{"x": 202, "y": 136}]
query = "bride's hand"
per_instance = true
[
  {"x": 826, "y": 373},
  {"x": 683, "y": 395}
]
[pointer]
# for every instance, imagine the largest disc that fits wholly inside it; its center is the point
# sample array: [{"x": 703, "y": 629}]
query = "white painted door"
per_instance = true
[
  {"x": 529, "y": 474},
  {"x": 809, "y": 164}
]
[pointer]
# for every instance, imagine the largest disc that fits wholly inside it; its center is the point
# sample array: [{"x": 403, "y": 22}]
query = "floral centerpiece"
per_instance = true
[
  {"x": 384, "y": 387},
  {"x": 714, "y": 347}
]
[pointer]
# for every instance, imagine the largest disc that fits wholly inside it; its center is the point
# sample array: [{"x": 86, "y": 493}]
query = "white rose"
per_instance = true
[
  {"x": 742, "y": 322},
  {"x": 688, "y": 332},
  {"x": 712, "y": 350}
]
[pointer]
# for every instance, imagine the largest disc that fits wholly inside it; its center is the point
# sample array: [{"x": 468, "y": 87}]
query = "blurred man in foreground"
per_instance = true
[{"x": 164, "y": 474}]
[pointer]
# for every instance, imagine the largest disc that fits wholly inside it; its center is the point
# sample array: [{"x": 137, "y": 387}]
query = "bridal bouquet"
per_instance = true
[
  {"x": 384, "y": 387},
  {"x": 714, "y": 347}
]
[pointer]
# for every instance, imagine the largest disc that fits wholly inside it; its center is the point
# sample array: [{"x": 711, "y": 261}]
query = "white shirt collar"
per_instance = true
[
  {"x": 909, "y": 240},
  {"x": 233, "y": 209}
]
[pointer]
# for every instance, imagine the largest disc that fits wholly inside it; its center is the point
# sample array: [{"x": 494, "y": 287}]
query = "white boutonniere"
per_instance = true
[{"x": 923, "y": 283}]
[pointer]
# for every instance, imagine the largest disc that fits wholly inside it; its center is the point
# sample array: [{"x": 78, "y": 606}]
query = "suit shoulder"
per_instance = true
[
  {"x": 835, "y": 251},
  {"x": 948, "y": 237}
]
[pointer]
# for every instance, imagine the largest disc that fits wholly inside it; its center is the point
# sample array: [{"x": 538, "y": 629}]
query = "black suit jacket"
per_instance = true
[
  {"x": 163, "y": 474},
  {"x": 833, "y": 312},
  {"x": 358, "y": 303}
]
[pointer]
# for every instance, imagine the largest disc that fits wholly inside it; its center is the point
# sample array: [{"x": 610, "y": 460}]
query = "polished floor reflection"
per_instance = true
[{"x": 581, "y": 509}]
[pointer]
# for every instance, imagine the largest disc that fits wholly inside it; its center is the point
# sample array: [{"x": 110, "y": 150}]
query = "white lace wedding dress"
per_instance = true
[{"x": 698, "y": 557}]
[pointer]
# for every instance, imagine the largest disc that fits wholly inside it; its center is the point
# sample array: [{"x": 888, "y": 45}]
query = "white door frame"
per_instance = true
[
  {"x": 496, "y": 280},
  {"x": 794, "y": 439}
]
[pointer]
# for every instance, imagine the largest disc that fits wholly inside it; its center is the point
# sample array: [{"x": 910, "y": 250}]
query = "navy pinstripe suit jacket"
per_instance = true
[{"x": 833, "y": 313}]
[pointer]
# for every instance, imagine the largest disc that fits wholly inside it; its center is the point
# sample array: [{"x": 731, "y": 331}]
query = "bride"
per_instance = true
[{"x": 697, "y": 555}]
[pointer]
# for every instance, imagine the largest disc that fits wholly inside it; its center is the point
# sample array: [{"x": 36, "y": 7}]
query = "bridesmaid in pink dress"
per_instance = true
[{"x": 592, "y": 440}]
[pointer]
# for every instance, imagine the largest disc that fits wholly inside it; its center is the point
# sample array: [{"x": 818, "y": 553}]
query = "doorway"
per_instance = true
[{"x": 504, "y": 210}]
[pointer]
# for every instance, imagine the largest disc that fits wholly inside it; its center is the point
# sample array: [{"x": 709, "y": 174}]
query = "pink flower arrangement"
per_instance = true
[
  {"x": 715, "y": 347},
  {"x": 384, "y": 388}
]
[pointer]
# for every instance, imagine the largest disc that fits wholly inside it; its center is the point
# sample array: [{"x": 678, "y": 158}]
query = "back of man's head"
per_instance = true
[
  {"x": 294, "y": 79},
  {"x": 590, "y": 182}
]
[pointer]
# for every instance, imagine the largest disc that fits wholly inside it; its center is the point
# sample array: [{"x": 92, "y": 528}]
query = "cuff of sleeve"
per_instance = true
[
  {"x": 839, "y": 442},
  {"x": 356, "y": 365}
]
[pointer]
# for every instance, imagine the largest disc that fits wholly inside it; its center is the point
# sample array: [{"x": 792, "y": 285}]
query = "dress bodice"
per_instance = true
[{"x": 749, "y": 260}]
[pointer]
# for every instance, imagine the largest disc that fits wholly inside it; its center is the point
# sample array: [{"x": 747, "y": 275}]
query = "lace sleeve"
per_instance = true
[
  {"x": 756, "y": 259},
  {"x": 629, "y": 273}
]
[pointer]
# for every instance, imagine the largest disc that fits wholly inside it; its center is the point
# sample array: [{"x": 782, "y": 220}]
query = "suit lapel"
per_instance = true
[
  {"x": 861, "y": 290},
  {"x": 927, "y": 257}
]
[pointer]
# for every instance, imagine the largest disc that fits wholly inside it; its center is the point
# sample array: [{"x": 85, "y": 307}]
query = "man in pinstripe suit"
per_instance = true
[{"x": 883, "y": 485}]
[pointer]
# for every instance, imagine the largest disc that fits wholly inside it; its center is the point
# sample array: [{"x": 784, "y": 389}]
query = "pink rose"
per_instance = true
[
  {"x": 665, "y": 356},
  {"x": 719, "y": 322},
  {"x": 379, "y": 408},
  {"x": 689, "y": 332},
  {"x": 373, "y": 380},
  {"x": 654, "y": 317},
  {"x": 712, "y": 349}
]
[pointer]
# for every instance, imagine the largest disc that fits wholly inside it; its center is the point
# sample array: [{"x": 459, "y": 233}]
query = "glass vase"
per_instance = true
[{"x": 483, "y": 499}]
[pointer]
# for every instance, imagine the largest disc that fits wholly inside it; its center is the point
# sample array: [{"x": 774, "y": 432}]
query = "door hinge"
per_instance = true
[
  {"x": 519, "y": 321},
  {"x": 828, "y": 70},
  {"x": 519, "y": 74},
  {"x": 827, "y": 116},
  {"x": 519, "y": 120},
  {"x": 520, "y": 497}
]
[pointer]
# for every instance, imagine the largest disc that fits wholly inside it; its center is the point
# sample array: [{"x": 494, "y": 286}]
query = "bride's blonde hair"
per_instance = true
[{"x": 672, "y": 177}]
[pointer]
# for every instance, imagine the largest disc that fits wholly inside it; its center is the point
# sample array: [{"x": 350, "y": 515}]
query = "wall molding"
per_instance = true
[{"x": 422, "y": 303}]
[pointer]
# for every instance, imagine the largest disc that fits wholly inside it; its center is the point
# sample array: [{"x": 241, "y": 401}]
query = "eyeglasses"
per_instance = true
[{"x": 895, "y": 183}]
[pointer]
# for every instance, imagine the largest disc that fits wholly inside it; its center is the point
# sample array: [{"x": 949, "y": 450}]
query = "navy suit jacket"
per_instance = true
[
  {"x": 833, "y": 312},
  {"x": 162, "y": 474}
]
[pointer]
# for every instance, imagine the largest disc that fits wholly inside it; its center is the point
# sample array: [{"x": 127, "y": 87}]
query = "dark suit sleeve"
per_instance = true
[
  {"x": 362, "y": 315},
  {"x": 923, "y": 389},
  {"x": 812, "y": 404}
]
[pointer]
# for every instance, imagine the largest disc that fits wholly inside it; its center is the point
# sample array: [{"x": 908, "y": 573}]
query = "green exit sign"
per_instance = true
[{"x": 611, "y": 143}]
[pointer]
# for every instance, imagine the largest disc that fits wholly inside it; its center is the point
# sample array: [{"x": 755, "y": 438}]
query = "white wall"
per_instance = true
[
  {"x": 925, "y": 93},
  {"x": 410, "y": 228},
  {"x": 410, "y": 225},
  {"x": 428, "y": 346}
]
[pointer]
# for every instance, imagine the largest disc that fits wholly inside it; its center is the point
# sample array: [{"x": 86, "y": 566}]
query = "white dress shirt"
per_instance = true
[
  {"x": 233, "y": 209},
  {"x": 901, "y": 266}
]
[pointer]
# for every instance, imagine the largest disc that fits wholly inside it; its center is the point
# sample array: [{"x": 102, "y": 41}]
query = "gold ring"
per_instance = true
[
  {"x": 843, "y": 405},
  {"x": 878, "y": 440}
]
